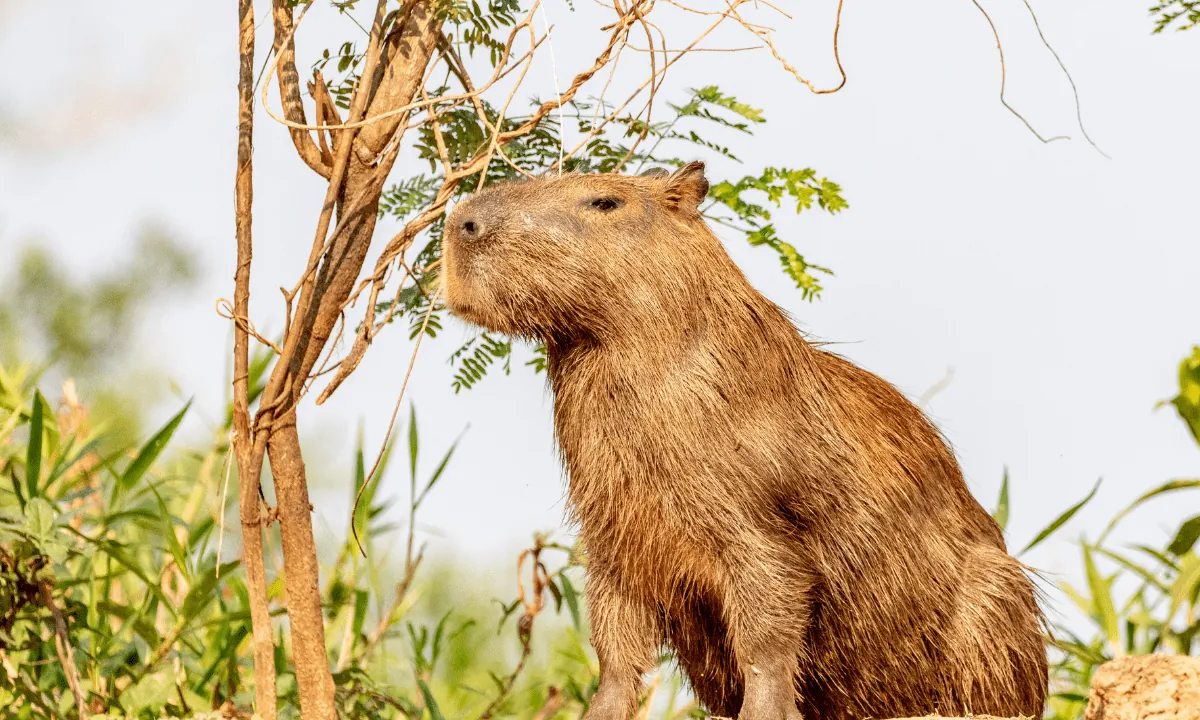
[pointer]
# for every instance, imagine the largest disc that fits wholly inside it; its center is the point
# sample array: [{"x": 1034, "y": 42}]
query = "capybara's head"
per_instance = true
[{"x": 578, "y": 256}]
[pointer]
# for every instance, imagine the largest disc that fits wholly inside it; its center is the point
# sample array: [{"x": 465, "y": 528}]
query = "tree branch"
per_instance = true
[
  {"x": 289, "y": 88},
  {"x": 249, "y": 468}
]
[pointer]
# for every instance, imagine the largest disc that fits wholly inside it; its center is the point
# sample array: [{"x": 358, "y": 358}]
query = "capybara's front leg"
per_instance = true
[
  {"x": 767, "y": 607},
  {"x": 625, "y": 638}
]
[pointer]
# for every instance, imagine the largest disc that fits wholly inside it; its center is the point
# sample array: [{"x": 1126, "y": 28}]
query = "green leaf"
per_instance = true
[
  {"x": 115, "y": 551},
  {"x": 1162, "y": 558},
  {"x": 201, "y": 592},
  {"x": 572, "y": 600},
  {"x": 1000, "y": 514},
  {"x": 358, "y": 514},
  {"x": 437, "y": 474},
  {"x": 412, "y": 440},
  {"x": 1134, "y": 568},
  {"x": 168, "y": 531},
  {"x": 148, "y": 695},
  {"x": 1185, "y": 584},
  {"x": 1186, "y": 537},
  {"x": 39, "y": 519},
  {"x": 33, "y": 453},
  {"x": 1187, "y": 402},
  {"x": 435, "y": 712},
  {"x": 1102, "y": 604},
  {"x": 361, "y": 600},
  {"x": 1060, "y": 520},
  {"x": 712, "y": 94},
  {"x": 1167, "y": 487},
  {"x": 66, "y": 462},
  {"x": 150, "y": 451},
  {"x": 16, "y": 487}
]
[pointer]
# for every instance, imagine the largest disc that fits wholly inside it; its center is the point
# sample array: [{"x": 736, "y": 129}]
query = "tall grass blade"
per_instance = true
[
  {"x": 1000, "y": 515},
  {"x": 1061, "y": 520},
  {"x": 1167, "y": 487},
  {"x": 150, "y": 452},
  {"x": 33, "y": 453}
]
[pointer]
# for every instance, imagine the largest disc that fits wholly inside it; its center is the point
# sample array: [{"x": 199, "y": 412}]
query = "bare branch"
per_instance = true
[
  {"x": 768, "y": 39},
  {"x": 1003, "y": 76},
  {"x": 327, "y": 113},
  {"x": 289, "y": 87},
  {"x": 249, "y": 464},
  {"x": 1074, "y": 90}
]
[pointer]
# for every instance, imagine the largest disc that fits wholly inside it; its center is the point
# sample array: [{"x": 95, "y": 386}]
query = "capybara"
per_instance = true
[{"x": 793, "y": 528}]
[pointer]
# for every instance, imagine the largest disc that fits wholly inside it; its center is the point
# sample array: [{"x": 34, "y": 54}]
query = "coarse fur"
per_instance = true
[{"x": 792, "y": 527}]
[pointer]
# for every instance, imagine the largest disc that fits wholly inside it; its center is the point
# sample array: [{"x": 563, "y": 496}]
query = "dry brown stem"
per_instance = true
[
  {"x": 249, "y": 464},
  {"x": 301, "y": 572},
  {"x": 289, "y": 87},
  {"x": 532, "y": 605},
  {"x": 62, "y": 645},
  {"x": 276, "y": 428},
  {"x": 554, "y": 701}
]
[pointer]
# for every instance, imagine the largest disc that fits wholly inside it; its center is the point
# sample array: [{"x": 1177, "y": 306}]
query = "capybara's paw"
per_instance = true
[
  {"x": 609, "y": 703},
  {"x": 785, "y": 710},
  {"x": 769, "y": 696}
]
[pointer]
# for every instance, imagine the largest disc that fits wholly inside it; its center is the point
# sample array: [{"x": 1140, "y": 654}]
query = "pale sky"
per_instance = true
[{"x": 1059, "y": 285}]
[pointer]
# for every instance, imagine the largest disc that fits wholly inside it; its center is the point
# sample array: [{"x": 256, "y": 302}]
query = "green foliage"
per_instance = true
[
  {"x": 801, "y": 186},
  {"x": 476, "y": 355},
  {"x": 123, "y": 551},
  {"x": 1187, "y": 402},
  {"x": 348, "y": 61},
  {"x": 475, "y": 28},
  {"x": 1180, "y": 14},
  {"x": 126, "y": 542},
  {"x": 1000, "y": 514},
  {"x": 740, "y": 205}
]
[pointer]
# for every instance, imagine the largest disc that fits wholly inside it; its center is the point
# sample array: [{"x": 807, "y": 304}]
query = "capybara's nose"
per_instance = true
[{"x": 471, "y": 227}]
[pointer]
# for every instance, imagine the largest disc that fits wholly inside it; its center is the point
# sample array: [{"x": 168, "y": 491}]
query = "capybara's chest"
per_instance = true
[{"x": 658, "y": 511}]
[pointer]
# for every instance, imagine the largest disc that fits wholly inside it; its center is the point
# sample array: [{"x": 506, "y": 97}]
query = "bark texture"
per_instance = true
[
  {"x": 363, "y": 159},
  {"x": 248, "y": 468},
  {"x": 1150, "y": 687},
  {"x": 300, "y": 569}
]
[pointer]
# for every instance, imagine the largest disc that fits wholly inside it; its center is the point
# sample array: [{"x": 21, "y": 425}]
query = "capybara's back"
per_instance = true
[{"x": 791, "y": 526}]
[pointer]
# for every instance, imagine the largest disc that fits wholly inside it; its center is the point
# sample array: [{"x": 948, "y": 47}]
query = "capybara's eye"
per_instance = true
[{"x": 606, "y": 203}]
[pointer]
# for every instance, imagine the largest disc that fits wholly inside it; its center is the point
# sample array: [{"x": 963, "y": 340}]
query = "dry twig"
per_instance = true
[
  {"x": 62, "y": 645},
  {"x": 1003, "y": 79}
]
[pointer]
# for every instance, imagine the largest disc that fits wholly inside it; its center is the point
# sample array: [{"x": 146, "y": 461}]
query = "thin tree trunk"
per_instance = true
[
  {"x": 249, "y": 470},
  {"x": 300, "y": 571},
  {"x": 356, "y": 179}
]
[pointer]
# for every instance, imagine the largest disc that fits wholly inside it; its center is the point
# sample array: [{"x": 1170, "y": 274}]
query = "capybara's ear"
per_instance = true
[
  {"x": 654, "y": 172},
  {"x": 687, "y": 186}
]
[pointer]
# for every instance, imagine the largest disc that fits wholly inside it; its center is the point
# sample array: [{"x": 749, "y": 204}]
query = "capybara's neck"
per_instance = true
[{"x": 722, "y": 331}]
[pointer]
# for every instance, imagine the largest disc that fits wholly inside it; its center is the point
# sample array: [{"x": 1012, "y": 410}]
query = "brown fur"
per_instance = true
[{"x": 792, "y": 527}]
